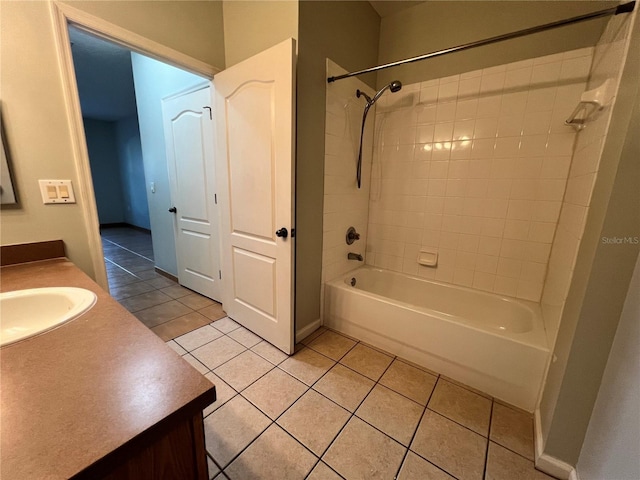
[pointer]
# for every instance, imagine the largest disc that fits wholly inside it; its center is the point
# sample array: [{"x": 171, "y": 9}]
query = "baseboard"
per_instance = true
[
  {"x": 166, "y": 274},
  {"x": 538, "y": 440},
  {"x": 104, "y": 226},
  {"x": 308, "y": 330},
  {"x": 545, "y": 462}
]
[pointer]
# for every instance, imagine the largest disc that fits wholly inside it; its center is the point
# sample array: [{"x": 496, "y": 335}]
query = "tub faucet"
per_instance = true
[{"x": 354, "y": 256}]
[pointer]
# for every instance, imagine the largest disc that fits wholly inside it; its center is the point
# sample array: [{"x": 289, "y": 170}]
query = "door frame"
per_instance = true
[{"x": 64, "y": 15}]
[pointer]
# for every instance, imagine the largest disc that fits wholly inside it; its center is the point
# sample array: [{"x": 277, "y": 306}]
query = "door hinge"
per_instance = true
[
  {"x": 220, "y": 274},
  {"x": 210, "y": 114},
  {"x": 215, "y": 198}
]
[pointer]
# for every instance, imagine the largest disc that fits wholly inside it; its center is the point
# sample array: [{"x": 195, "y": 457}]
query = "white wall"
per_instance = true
[
  {"x": 474, "y": 166},
  {"x": 154, "y": 81},
  {"x": 435, "y": 25},
  {"x": 105, "y": 169},
  {"x": 612, "y": 445},
  {"x": 136, "y": 208}
]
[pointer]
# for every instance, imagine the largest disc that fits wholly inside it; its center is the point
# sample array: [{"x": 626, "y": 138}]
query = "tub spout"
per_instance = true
[{"x": 354, "y": 256}]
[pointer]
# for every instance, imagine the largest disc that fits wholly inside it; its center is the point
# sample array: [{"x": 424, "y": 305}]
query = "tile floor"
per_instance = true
[
  {"x": 336, "y": 409},
  {"x": 165, "y": 307},
  {"x": 341, "y": 409}
]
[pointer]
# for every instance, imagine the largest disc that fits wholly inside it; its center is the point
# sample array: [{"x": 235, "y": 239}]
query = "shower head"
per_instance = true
[{"x": 394, "y": 86}]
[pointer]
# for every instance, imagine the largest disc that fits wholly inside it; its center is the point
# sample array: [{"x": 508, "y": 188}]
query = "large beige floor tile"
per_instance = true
[
  {"x": 332, "y": 344},
  {"x": 162, "y": 313},
  {"x": 231, "y": 428},
  {"x": 212, "y": 468},
  {"x": 395, "y": 415},
  {"x": 196, "y": 301},
  {"x": 503, "y": 464},
  {"x": 130, "y": 290},
  {"x": 314, "y": 421},
  {"x": 176, "y": 348},
  {"x": 273, "y": 456},
  {"x": 512, "y": 429},
  {"x": 176, "y": 291},
  {"x": 215, "y": 353},
  {"x": 417, "y": 468},
  {"x": 307, "y": 365},
  {"x": 181, "y": 325},
  {"x": 243, "y": 370},
  {"x": 362, "y": 452},
  {"x": 345, "y": 387},
  {"x": 322, "y": 472},
  {"x": 275, "y": 392},
  {"x": 223, "y": 393},
  {"x": 196, "y": 364},
  {"x": 214, "y": 312},
  {"x": 197, "y": 338},
  {"x": 144, "y": 300},
  {"x": 409, "y": 381},
  {"x": 225, "y": 325},
  {"x": 450, "y": 446},
  {"x": 367, "y": 361},
  {"x": 269, "y": 352},
  {"x": 155, "y": 279},
  {"x": 462, "y": 406},
  {"x": 245, "y": 337}
]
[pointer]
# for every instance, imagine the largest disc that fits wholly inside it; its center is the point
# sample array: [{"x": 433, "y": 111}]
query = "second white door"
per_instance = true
[{"x": 189, "y": 137}]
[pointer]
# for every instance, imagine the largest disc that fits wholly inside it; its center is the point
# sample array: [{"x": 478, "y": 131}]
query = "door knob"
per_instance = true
[
  {"x": 282, "y": 233},
  {"x": 173, "y": 210}
]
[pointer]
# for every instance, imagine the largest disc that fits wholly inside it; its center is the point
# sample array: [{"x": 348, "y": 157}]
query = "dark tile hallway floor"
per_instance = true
[{"x": 168, "y": 309}]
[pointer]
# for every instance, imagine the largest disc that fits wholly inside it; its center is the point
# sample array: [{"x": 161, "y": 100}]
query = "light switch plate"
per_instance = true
[{"x": 51, "y": 191}]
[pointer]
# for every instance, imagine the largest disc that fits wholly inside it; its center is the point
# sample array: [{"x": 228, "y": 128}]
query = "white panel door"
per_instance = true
[
  {"x": 255, "y": 110},
  {"x": 189, "y": 137}
]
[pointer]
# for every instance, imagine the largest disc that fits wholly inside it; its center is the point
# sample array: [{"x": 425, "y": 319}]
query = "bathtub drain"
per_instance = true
[{"x": 353, "y": 281}]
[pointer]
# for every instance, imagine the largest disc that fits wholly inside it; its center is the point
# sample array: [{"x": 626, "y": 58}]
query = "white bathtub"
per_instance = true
[{"x": 492, "y": 343}]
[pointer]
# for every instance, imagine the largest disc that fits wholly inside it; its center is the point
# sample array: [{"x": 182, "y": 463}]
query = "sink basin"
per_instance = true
[{"x": 25, "y": 313}]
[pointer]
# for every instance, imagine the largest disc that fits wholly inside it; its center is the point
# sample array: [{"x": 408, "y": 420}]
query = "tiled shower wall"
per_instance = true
[
  {"x": 344, "y": 204},
  {"x": 607, "y": 64},
  {"x": 474, "y": 166}
]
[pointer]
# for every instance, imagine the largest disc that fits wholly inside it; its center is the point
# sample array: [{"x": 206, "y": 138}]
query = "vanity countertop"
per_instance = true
[{"x": 89, "y": 389}]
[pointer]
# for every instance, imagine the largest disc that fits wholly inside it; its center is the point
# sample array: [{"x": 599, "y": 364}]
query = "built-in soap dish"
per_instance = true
[{"x": 428, "y": 257}]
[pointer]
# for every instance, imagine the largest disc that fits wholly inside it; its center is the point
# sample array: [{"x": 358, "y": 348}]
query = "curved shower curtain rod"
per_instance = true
[{"x": 623, "y": 8}]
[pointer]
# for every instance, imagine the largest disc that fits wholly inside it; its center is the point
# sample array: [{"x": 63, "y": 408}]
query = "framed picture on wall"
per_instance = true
[{"x": 8, "y": 194}]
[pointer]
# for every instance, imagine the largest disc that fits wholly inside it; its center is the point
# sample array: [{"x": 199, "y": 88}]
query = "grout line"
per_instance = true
[
  {"x": 352, "y": 414},
  {"x": 124, "y": 269},
  {"x": 128, "y": 250},
  {"x": 512, "y": 451},
  {"x": 233, "y": 459},
  {"x": 416, "y": 430},
  {"x": 486, "y": 453},
  {"x": 458, "y": 423}
]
